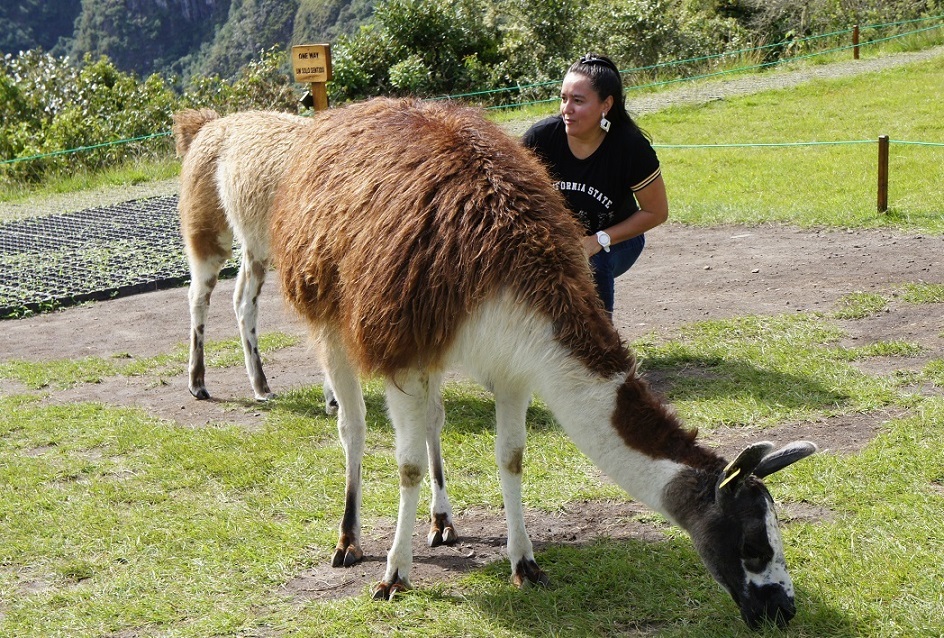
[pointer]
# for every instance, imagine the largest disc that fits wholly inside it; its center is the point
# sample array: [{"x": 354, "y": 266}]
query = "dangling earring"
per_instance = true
[{"x": 604, "y": 123}]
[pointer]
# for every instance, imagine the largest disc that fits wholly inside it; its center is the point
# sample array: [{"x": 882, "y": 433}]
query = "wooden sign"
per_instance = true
[{"x": 312, "y": 63}]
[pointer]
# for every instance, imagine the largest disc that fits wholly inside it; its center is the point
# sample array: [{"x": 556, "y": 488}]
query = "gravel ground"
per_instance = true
[{"x": 83, "y": 200}]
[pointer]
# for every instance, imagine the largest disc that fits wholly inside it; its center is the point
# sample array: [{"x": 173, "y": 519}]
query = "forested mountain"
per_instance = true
[
  {"x": 31, "y": 24},
  {"x": 146, "y": 35},
  {"x": 182, "y": 37},
  {"x": 327, "y": 20},
  {"x": 250, "y": 26}
]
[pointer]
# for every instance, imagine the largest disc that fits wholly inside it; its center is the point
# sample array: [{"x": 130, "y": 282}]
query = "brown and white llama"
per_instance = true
[
  {"x": 231, "y": 166},
  {"x": 417, "y": 237}
]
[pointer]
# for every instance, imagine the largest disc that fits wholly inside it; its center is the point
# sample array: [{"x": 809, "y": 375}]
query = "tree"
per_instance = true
[{"x": 418, "y": 47}]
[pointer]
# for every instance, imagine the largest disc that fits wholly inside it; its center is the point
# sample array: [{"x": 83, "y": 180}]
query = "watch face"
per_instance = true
[{"x": 603, "y": 238}]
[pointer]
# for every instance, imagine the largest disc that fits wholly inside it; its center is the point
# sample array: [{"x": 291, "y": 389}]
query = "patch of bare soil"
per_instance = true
[
  {"x": 844, "y": 434},
  {"x": 919, "y": 324},
  {"x": 481, "y": 542},
  {"x": 685, "y": 275}
]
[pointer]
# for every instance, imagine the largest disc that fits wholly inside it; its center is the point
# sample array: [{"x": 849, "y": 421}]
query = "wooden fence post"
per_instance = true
[
  {"x": 855, "y": 42},
  {"x": 882, "y": 173}
]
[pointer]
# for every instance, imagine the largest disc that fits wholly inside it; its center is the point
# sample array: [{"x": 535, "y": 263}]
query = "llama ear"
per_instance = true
[
  {"x": 743, "y": 466},
  {"x": 783, "y": 457}
]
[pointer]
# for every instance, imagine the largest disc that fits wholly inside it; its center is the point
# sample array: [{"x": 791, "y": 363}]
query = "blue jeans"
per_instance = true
[{"x": 607, "y": 266}]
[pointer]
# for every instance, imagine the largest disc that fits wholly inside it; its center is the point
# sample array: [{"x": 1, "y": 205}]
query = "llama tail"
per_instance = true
[{"x": 187, "y": 124}]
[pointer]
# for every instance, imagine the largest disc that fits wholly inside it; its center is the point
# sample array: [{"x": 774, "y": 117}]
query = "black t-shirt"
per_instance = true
[{"x": 599, "y": 189}]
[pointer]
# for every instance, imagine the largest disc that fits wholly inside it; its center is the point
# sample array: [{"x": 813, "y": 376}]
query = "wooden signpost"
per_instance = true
[{"x": 311, "y": 63}]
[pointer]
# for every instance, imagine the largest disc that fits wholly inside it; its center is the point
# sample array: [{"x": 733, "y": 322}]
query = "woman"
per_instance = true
[{"x": 604, "y": 166}]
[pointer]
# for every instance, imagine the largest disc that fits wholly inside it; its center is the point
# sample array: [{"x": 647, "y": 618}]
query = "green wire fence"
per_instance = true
[
  {"x": 788, "y": 43},
  {"x": 81, "y": 149}
]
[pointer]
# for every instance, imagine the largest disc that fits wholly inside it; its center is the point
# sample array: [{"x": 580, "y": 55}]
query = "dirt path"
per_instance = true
[{"x": 685, "y": 275}]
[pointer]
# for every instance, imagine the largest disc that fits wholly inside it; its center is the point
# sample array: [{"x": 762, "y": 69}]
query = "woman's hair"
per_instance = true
[{"x": 606, "y": 80}]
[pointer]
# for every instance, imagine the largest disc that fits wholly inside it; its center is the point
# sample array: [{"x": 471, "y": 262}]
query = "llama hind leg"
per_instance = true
[
  {"x": 408, "y": 400},
  {"x": 204, "y": 274},
  {"x": 252, "y": 273},
  {"x": 352, "y": 430},
  {"x": 442, "y": 530},
  {"x": 511, "y": 410}
]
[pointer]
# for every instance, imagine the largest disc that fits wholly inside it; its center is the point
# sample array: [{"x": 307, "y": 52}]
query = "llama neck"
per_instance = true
[
  {"x": 629, "y": 435},
  {"x": 617, "y": 421}
]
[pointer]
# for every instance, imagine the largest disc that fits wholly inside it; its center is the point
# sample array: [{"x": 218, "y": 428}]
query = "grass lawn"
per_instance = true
[
  {"x": 115, "y": 523},
  {"x": 811, "y": 186}
]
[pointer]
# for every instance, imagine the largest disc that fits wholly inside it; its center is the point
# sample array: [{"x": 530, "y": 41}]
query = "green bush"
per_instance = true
[
  {"x": 417, "y": 47},
  {"x": 51, "y": 105},
  {"x": 264, "y": 83},
  {"x": 436, "y": 47},
  {"x": 777, "y": 20}
]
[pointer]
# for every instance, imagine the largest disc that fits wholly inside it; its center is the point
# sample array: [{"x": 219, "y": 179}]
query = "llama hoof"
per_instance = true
[
  {"x": 200, "y": 394},
  {"x": 447, "y": 536},
  {"x": 450, "y": 536},
  {"x": 262, "y": 398},
  {"x": 527, "y": 573},
  {"x": 386, "y": 591},
  {"x": 441, "y": 531},
  {"x": 347, "y": 556}
]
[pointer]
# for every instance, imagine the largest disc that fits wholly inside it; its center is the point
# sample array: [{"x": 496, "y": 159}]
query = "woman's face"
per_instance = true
[{"x": 581, "y": 106}]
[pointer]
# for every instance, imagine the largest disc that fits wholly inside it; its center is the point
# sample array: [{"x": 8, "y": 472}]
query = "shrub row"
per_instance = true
[{"x": 50, "y": 104}]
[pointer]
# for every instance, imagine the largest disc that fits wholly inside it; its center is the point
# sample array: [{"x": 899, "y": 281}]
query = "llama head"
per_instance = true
[{"x": 734, "y": 528}]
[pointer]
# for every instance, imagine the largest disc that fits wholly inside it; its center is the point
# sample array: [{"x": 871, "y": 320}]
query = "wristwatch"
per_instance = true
[{"x": 604, "y": 240}]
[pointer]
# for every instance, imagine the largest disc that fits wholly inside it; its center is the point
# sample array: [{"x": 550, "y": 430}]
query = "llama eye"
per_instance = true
[
  {"x": 754, "y": 564},
  {"x": 756, "y": 556}
]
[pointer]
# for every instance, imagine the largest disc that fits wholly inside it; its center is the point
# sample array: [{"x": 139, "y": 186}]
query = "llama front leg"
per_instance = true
[
  {"x": 511, "y": 411},
  {"x": 408, "y": 399},
  {"x": 352, "y": 430},
  {"x": 442, "y": 530},
  {"x": 252, "y": 272},
  {"x": 204, "y": 273}
]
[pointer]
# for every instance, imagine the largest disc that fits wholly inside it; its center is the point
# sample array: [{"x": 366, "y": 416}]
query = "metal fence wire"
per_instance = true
[{"x": 94, "y": 254}]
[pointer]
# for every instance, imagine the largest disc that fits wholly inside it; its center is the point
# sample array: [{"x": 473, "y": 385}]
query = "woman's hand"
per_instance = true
[{"x": 591, "y": 246}]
